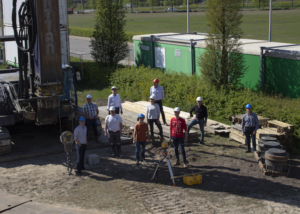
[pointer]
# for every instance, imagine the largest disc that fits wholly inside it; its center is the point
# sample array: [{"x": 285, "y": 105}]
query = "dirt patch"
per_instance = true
[{"x": 119, "y": 186}]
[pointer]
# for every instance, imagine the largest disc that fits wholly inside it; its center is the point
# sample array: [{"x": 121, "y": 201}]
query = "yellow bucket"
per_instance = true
[
  {"x": 192, "y": 180},
  {"x": 164, "y": 144}
]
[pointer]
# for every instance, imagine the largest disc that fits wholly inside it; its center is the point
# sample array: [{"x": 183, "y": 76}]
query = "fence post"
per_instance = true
[
  {"x": 81, "y": 64},
  {"x": 262, "y": 68}
]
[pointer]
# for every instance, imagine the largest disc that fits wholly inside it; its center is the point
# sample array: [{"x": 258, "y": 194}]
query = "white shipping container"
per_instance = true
[
  {"x": 11, "y": 48},
  {"x": 7, "y": 6}
]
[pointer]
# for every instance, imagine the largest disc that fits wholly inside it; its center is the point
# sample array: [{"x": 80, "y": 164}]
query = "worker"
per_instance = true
[
  {"x": 177, "y": 125},
  {"x": 200, "y": 117},
  {"x": 114, "y": 100},
  {"x": 81, "y": 143},
  {"x": 249, "y": 127},
  {"x": 153, "y": 113},
  {"x": 90, "y": 112},
  {"x": 140, "y": 134},
  {"x": 113, "y": 123},
  {"x": 159, "y": 94}
]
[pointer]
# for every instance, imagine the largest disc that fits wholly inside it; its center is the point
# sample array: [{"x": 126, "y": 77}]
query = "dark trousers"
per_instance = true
[
  {"x": 161, "y": 110},
  {"x": 91, "y": 123},
  {"x": 151, "y": 121},
  {"x": 114, "y": 139},
  {"x": 117, "y": 110},
  {"x": 179, "y": 142},
  {"x": 249, "y": 135},
  {"x": 138, "y": 145},
  {"x": 80, "y": 156}
]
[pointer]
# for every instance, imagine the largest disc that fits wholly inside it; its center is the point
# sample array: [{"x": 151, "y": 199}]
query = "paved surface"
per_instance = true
[
  {"x": 12, "y": 204},
  {"x": 81, "y": 45}
]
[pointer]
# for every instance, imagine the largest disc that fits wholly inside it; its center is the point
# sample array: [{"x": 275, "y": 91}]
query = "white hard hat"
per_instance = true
[
  {"x": 112, "y": 108},
  {"x": 152, "y": 97},
  {"x": 89, "y": 96},
  {"x": 114, "y": 87},
  {"x": 177, "y": 109},
  {"x": 199, "y": 99}
]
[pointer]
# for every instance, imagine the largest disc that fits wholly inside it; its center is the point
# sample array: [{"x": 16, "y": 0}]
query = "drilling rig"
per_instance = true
[{"x": 45, "y": 92}]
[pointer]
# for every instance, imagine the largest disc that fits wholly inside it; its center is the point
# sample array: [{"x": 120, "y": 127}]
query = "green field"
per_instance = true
[{"x": 286, "y": 23}]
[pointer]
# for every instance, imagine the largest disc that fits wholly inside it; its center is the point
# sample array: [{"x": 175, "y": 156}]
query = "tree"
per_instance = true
[
  {"x": 70, "y": 4},
  {"x": 223, "y": 63},
  {"x": 93, "y": 4},
  {"x": 260, "y": 3},
  {"x": 109, "y": 41}
]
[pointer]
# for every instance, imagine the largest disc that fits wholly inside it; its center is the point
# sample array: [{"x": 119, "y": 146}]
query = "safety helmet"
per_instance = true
[
  {"x": 114, "y": 87},
  {"x": 156, "y": 81},
  {"x": 199, "y": 99},
  {"x": 112, "y": 108},
  {"x": 89, "y": 96},
  {"x": 177, "y": 109},
  {"x": 81, "y": 119},
  {"x": 152, "y": 97},
  {"x": 141, "y": 115},
  {"x": 248, "y": 106}
]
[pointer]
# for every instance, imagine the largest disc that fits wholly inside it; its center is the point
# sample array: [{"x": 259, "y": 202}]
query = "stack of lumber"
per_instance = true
[
  {"x": 236, "y": 121},
  {"x": 212, "y": 126},
  {"x": 285, "y": 131},
  {"x": 130, "y": 119}
]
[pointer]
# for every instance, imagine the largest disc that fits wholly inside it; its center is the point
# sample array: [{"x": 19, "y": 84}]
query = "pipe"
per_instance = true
[
  {"x": 262, "y": 68},
  {"x": 188, "y": 16},
  {"x": 152, "y": 52},
  {"x": 270, "y": 22},
  {"x": 192, "y": 58}
]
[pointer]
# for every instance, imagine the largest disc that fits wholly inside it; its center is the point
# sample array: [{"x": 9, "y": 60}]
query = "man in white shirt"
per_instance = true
[
  {"x": 115, "y": 101},
  {"x": 159, "y": 94},
  {"x": 113, "y": 123},
  {"x": 81, "y": 142}
]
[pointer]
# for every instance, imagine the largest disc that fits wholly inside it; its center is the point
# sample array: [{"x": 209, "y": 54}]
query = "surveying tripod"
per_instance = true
[{"x": 165, "y": 156}]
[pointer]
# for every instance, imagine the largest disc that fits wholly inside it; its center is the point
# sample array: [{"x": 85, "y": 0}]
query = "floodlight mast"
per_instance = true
[
  {"x": 270, "y": 22},
  {"x": 188, "y": 17}
]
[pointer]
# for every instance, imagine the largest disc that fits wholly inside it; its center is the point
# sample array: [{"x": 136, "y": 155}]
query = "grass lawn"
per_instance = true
[
  {"x": 3, "y": 66},
  {"x": 286, "y": 24}
]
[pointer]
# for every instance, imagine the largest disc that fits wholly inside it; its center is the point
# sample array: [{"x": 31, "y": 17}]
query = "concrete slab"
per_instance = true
[{"x": 12, "y": 204}]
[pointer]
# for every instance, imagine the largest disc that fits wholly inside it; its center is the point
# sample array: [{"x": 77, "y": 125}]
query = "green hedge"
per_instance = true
[
  {"x": 181, "y": 90},
  {"x": 88, "y": 32}
]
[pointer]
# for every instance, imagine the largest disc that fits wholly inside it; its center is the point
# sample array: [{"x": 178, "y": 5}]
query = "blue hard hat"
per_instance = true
[
  {"x": 141, "y": 115},
  {"x": 248, "y": 106},
  {"x": 81, "y": 119}
]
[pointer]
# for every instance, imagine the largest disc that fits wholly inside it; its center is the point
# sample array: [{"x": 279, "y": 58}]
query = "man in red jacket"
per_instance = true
[{"x": 176, "y": 136}]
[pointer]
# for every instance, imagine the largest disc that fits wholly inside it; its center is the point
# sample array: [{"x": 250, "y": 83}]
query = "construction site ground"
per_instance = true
[{"x": 119, "y": 186}]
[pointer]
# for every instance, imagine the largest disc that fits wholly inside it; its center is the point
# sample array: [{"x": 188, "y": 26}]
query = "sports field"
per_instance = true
[{"x": 286, "y": 24}]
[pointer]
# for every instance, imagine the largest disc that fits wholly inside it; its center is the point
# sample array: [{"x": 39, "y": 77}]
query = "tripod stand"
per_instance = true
[{"x": 165, "y": 156}]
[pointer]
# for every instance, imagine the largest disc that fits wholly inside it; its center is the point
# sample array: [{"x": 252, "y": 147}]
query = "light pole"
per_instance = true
[
  {"x": 188, "y": 16},
  {"x": 270, "y": 22}
]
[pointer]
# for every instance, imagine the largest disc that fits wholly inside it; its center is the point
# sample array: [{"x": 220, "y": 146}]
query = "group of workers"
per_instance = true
[{"x": 141, "y": 136}]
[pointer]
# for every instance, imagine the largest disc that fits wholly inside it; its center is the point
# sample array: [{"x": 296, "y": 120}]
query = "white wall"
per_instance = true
[{"x": 11, "y": 48}]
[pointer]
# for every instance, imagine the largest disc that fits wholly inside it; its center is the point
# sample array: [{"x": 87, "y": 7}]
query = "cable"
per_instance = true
[{"x": 27, "y": 18}]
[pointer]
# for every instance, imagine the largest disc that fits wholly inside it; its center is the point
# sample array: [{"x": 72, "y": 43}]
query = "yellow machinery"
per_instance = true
[{"x": 192, "y": 179}]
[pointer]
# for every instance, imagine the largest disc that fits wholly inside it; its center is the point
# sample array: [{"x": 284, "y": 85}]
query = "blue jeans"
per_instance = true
[
  {"x": 91, "y": 123},
  {"x": 249, "y": 133},
  {"x": 80, "y": 156},
  {"x": 179, "y": 142},
  {"x": 201, "y": 125},
  {"x": 138, "y": 145}
]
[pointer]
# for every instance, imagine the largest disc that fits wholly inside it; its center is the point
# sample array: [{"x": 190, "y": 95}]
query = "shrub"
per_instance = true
[{"x": 181, "y": 90}]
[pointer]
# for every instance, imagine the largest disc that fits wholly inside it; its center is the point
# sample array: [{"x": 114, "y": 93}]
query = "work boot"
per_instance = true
[
  {"x": 185, "y": 165},
  {"x": 79, "y": 173},
  {"x": 177, "y": 163},
  {"x": 152, "y": 138},
  {"x": 201, "y": 142},
  {"x": 161, "y": 139},
  {"x": 137, "y": 162},
  {"x": 247, "y": 151},
  {"x": 166, "y": 124},
  {"x": 143, "y": 159}
]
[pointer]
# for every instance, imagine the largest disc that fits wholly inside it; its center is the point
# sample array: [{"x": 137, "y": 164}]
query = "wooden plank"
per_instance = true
[
  {"x": 237, "y": 138},
  {"x": 256, "y": 156}
]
